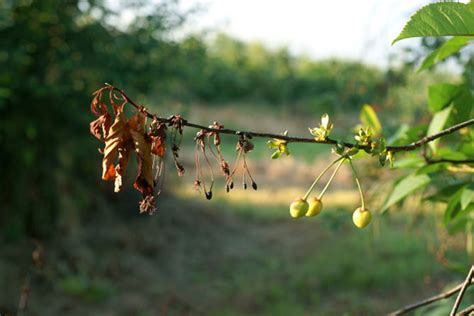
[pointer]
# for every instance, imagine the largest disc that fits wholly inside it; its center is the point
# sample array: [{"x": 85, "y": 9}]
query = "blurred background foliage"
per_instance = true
[
  {"x": 52, "y": 60},
  {"x": 54, "y": 54}
]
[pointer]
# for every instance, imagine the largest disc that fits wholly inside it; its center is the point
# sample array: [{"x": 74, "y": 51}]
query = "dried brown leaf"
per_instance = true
[
  {"x": 142, "y": 144},
  {"x": 117, "y": 137},
  {"x": 123, "y": 158},
  {"x": 100, "y": 127},
  {"x": 157, "y": 147},
  {"x": 97, "y": 106}
]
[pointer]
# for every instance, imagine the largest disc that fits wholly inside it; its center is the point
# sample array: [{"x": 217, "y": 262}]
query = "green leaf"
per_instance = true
[
  {"x": 440, "y": 19},
  {"x": 406, "y": 135},
  {"x": 452, "y": 208},
  {"x": 437, "y": 124},
  {"x": 448, "y": 153},
  {"x": 462, "y": 105},
  {"x": 409, "y": 162},
  {"x": 450, "y": 47},
  {"x": 467, "y": 197},
  {"x": 462, "y": 219},
  {"x": 445, "y": 193},
  {"x": 368, "y": 117},
  {"x": 467, "y": 149},
  {"x": 432, "y": 168},
  {"x": 441, "y": 95},
  {"x": 404, "y": 187}
]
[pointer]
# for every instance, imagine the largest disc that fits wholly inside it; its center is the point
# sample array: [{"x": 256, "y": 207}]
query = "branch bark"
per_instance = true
[
  {"x": 428, "y": 301},
  {"x": 466, "y": 311},
  {"x": 453, "y": 161},
  {"x": 328, "y": 141},
  {"x": 465, "y": 285}
]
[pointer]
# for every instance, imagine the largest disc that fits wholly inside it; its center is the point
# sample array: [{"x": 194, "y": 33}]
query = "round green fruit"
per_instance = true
[
  {"x": 315, "y": 207},
  {"x": 298, "y": 208},
  {"x": 361, "y": 217}
]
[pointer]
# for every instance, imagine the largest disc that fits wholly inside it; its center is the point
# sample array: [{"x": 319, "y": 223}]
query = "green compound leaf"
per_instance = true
[
  {"x": 440, "y": 19},
  {"x": 404, "y": 187},
  {"x": 450, "y": 47}
]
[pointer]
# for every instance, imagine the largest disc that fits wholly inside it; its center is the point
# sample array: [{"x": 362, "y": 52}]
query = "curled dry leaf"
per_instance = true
[
  {"x": 142, "y": 145},
  {"x": 157, "y": 133},
  {"x": 244, "y": 144},
  {"x": 158, "y": 147},
  {"x": 122, "y": 137},
  {"x": 100, "y": 127},
  {"x": 97, "y": 106},
  {"x": 116, "y": 139},
  {"x": 148, "y": 204},
  {"x": 123, "y": 158}
]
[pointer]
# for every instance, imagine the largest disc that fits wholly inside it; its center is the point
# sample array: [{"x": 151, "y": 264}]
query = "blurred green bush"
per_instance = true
[{"x": 55, "y": 53}]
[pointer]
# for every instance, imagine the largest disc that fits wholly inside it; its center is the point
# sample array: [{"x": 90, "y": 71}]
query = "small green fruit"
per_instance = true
[
  {"x": 361, "y": 217},
  {"x": 315, "y": 207},
  {"x": 298, "y": 208}
]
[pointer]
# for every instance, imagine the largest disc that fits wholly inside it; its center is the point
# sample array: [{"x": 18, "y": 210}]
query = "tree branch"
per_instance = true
[
  {"x": 465, "y": 285},
  {"x": 453, "y": 161},
  {"x": 328, "y": 141},
  {"x": 428, "y": 301},
  {"x": 466, "y": 311}
]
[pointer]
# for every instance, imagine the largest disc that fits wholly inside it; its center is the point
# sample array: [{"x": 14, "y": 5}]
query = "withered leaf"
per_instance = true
[
  {"x": 157, "y": 147},
  {"x": 157, "y": 133},
  {"x": 116, "y": 138},
  {"x": 97, "y": 106},
  {"x": 123, "y": 157},
  {"x": 100, "y": 127},
  {"x": 148, "y": 204},
  {"x": 142, "y": 144}
]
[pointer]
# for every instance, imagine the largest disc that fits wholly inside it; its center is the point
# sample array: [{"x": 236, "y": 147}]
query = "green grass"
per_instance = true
[{"x": 216, "y": 259}]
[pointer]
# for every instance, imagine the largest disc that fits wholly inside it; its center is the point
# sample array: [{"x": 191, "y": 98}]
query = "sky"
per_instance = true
[{"x": 362, "y": 29}]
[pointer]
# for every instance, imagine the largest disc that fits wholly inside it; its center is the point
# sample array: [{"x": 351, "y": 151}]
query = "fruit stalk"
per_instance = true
[
  {"x": 319, "y": 177},
  {"x": 358, "y": 184},
  {"x": 332, "y": 177}
]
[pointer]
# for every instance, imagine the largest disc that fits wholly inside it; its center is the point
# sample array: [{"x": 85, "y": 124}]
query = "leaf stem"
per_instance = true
[
  {"x": 319, "y": 177},
  {"x": 358, "y": 184},
  {"x": 332, "y": 177}
]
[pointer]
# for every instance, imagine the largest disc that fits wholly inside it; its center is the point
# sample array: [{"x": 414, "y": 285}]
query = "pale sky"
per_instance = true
[{"x": 362, "y": 29}]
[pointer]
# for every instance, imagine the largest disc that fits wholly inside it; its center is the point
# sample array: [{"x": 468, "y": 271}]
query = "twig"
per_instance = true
[
  {"x": 453, "y": 161},
  {"x": 430, "y": 161},
  {"x": 466, "y": 311},
  {"x": 328, "y": 141},
  {"x": 466, "y": 283},
  {"x": 428, "y": 301}
]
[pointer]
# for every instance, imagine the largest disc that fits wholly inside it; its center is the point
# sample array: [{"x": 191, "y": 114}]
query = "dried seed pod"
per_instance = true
[
  {"x": 254, "y": 185},
  {"x": 176, "y": 122},
  {"x": 201, "y": 150}
]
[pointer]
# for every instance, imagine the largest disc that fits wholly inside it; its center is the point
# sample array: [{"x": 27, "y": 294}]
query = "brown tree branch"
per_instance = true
[
  {"x": 466, "y": 311},
  {"x": 465, "y": 285},
  {"x": 428, "y": 301},
  {"x": 328, "y": 141},
  {"x": 453, "y": 161}
]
